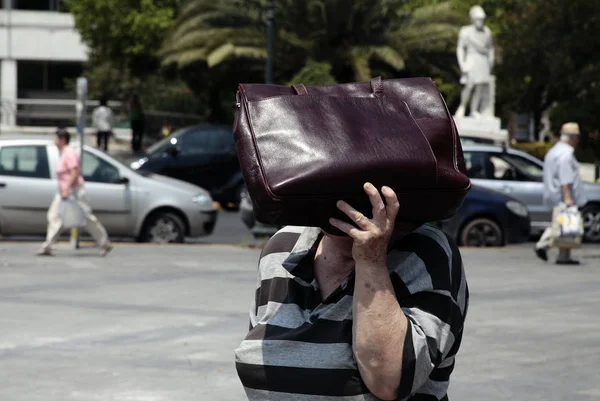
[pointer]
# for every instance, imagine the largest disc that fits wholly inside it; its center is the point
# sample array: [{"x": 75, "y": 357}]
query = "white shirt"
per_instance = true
[
  {"x": 102, "y": 119},
  {"x": 561, "y": 168}
]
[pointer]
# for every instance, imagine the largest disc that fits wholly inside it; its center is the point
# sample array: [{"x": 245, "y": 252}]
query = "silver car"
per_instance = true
[
  {"x": 520, "y": 175},
  {"x": 149, "y": 207}
]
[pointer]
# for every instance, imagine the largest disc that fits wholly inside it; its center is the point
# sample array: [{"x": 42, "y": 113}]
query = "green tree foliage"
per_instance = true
[
  {"x": 348, "y": 36},
  {"x": 125, "y": 33}
]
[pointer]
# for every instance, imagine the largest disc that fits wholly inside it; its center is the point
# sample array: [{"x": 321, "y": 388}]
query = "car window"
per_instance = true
[
  {"x": 95, "y": 169},
  {"x": 525, "y": 167},
  {"x": 483, "y": 165},
  {"x": 197, "y": 141},
  {"x": 24, "y": 161}
]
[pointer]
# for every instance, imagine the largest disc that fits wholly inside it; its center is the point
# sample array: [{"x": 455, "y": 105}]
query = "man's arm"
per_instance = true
[
  {"x": 379, "y": 331},
  {"x": 566, "y": 177}
]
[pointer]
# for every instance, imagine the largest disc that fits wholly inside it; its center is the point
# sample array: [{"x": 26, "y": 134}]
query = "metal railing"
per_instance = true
[{"x": 33, "y": 112}]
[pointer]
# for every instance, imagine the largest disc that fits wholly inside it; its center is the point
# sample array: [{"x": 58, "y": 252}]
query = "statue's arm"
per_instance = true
[
  {"x": 460, "y": 49},
  {"x": 492, "y": 53}
]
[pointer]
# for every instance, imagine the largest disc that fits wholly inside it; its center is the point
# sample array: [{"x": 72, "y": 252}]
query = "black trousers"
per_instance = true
[
  {"x": 102, "y": 138},
  {"x": 137, "y": 135}
]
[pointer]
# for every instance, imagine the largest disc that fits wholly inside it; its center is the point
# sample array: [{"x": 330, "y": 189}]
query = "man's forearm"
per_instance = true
[
  {"x": 73, "y": 178},
  {"x": 379, "y": 331},
  {"x": 566, "y": 194}
]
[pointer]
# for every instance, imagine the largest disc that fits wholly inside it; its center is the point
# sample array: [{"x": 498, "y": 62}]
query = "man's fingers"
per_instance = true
[
  {"x": 392, "y": 204},
  {"x": 376, "y": 201},
  {"x": 360, "y": 219},
  {"x": 346, "y": 228}
]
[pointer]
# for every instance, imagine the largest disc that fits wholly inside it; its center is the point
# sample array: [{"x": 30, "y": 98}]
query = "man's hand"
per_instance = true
[{"x": 372, "y": 235}]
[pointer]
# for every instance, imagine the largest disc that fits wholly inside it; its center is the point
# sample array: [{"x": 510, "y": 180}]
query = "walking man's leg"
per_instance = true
[
  {"x": 54, "y": 227},
  {"x": 545, "y": 242},
  {"x": 92, "y": 224}
]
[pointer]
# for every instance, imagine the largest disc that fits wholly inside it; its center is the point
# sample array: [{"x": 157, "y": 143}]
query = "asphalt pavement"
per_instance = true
[{"x": 157, "y": 323}]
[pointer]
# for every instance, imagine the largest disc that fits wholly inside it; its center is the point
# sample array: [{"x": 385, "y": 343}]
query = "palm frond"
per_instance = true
[
  {"x": 390, "y": 56},
  {"x": 228, "y": 50},
  {"x": 359, "y": 59}
]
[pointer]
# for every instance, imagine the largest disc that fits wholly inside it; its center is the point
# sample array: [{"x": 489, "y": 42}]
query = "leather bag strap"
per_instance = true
[
  {"x": 377, "y": 86},
  {"x": 300, "y": 89}
]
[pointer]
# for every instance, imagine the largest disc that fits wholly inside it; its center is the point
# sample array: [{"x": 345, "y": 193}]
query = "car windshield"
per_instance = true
[{"x": 162, "y": 145}]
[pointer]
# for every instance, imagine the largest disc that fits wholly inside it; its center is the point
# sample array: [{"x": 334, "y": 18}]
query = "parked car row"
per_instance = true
[
  {"x": 129, "y": 203},
  {"x": 505, "y": 204},
  {"x": 486, "y": 218}
]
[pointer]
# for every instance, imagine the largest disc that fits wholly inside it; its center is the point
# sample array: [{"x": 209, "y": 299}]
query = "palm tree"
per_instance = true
[{"x": 331, "y": 38}]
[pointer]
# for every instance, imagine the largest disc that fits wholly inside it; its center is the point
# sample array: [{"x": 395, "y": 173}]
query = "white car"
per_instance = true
[{"x": 149, "y": 207}]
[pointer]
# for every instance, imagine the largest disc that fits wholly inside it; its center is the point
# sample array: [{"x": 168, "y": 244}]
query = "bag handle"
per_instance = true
[
  {"x": 300, "y": 90},
  {"x": 377, "y": 86}
]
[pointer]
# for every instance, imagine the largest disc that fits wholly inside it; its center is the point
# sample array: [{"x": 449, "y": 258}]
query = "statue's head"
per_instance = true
[{"x": 477, "y": 16}]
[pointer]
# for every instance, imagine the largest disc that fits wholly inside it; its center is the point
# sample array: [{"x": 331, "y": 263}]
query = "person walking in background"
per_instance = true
[
  {"x": 71, "y": 184},
  {"x": 562, "y": 184},
  {"x": 137, "y": 123},
  {"x": 103, "y": 121}
]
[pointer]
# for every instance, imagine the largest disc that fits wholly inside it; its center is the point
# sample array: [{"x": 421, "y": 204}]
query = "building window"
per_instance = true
[
  {"x": 43, "y": 76},
  {"x": 37, "y": 5}
]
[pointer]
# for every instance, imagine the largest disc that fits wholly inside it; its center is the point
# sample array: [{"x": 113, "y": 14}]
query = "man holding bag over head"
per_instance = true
[
  {"x": 562, "y": 186},
  {"x": 71, "y": 184}
]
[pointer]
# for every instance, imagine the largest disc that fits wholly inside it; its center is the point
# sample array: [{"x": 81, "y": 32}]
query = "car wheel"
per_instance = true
[
  {"x": 481, "y": 232},
  {"x": 164, "y": 228},
  {"x": 591, "y": 223}
]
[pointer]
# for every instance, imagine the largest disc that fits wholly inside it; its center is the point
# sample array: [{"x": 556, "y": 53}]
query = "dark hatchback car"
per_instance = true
[
  {"x": 486, "y": 218},
  {"x": 203, "y": 155}
]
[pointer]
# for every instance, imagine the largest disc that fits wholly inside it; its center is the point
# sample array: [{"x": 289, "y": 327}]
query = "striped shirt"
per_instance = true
[{"x": 299, "y": 347}]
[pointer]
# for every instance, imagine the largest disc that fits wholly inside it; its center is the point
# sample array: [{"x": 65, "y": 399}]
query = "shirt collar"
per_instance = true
[{"x": 298, "y": 262}]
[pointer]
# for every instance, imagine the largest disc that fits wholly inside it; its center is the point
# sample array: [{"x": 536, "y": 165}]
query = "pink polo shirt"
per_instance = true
[{"x": 69, "y": 159}]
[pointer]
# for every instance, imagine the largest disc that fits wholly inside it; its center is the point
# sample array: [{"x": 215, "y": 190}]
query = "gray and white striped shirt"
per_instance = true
[{"x": 299, "y": 347}]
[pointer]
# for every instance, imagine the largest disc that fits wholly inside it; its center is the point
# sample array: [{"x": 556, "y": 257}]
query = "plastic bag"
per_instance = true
[
  {"x": 567, "y": 225},
  {"x": 71, "y": 213}
]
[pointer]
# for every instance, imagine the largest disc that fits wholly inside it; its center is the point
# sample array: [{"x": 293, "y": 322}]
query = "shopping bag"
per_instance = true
[
  {"x": 567, "y": 226},
  {"x": 71, "y": 213}
]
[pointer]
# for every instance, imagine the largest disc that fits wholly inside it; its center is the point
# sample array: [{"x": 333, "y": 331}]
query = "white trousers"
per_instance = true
[
  {"x": 546, "y": 240},
  {"x": 92, "y": 224}
]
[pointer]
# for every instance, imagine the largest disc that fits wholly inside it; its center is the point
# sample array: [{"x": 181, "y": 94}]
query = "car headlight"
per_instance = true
[
  {"x": 202, "y": 199},
  {"x": 517, "y": 208},
  {"x": 138, "y": 163}
]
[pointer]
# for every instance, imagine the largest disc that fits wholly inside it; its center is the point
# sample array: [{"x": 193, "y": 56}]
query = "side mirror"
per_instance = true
[{"x": 124, "y": 180}]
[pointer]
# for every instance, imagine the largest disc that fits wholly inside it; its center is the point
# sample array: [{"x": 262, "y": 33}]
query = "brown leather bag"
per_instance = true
[{"x": 303, "y": 148}]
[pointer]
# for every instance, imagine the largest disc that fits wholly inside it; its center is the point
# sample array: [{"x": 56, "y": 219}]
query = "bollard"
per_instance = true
[{"x": 74, "y": 238}]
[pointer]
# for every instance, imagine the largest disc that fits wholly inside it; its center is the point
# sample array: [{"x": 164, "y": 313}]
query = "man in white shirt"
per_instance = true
[
  {"x": 102, "y": 121},
  {"x": 562, "y": 184}
]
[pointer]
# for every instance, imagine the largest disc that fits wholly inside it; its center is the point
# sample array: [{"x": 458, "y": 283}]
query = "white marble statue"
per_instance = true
[{"x": 475, "y": 52}]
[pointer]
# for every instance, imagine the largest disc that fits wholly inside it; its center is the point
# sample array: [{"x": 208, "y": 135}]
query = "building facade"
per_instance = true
[{"x": 40, "y": 50}]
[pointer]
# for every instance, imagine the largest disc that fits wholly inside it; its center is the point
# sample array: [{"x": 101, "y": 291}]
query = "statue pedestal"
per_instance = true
[{"x": 481, "y": 127}]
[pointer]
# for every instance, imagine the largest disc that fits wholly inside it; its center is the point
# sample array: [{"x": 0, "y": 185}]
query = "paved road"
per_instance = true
[
  {"x": 229, "y": 231},
  {"x": 156, "y": 323}
]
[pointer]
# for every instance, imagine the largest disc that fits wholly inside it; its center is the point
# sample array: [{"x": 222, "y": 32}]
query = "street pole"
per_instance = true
[
  {"x": 270, "y": 40},
  {"x": 81, "y": 114}
]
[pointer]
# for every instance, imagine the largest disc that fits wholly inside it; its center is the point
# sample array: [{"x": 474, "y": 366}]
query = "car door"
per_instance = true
[
  {"x": 26, "y": 189},
  {"x": 109, "y": 197},
  {"x": 225, "y": 160},
  {"x": 513, "y": 175},
  {"x": 528, "y": 187},
  {"x": 193, "y": 162}
]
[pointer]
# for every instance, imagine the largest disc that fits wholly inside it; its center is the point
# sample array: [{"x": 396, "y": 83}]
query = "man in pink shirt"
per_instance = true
[{"x": 71, "y": 184}]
